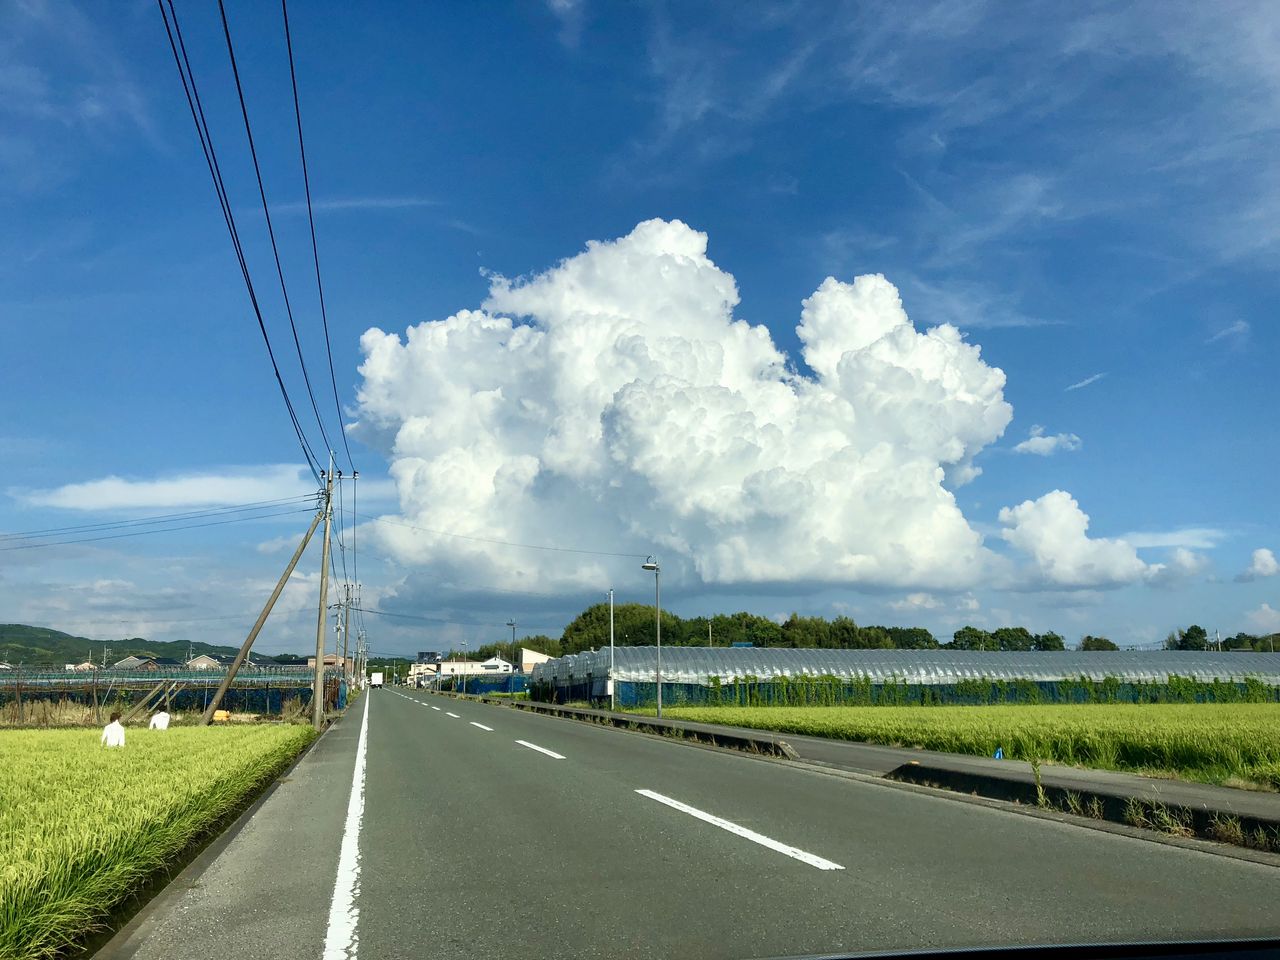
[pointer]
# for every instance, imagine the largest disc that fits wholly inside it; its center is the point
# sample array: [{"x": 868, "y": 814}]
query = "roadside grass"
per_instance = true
[
  {"x": 1232, "y": 743},
  {"x": 83, "y": 828}
]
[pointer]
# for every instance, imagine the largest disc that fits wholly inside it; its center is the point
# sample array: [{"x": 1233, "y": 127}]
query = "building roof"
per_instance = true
[{"x": 700, "y": 664}]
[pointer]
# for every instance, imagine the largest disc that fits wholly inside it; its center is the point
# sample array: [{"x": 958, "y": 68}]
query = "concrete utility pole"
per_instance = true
[
  {"x": 317, "y": 683},
  {"x": 262, "y": 618},
  {"x": 613, "y": 697},
  {"x": 346, "y": 631}
]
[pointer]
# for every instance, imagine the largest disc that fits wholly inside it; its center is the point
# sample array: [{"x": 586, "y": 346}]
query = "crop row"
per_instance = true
[
  {"x": 83, "y": 827},
  {"x": 1211, "y": 742}
]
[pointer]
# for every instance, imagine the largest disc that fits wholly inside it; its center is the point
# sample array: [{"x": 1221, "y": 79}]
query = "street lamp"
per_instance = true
[
  {"x": 515, "y": 654},
  {"x": 652, "y": 564},
  {"x": 613, "y": 697},
  {"x": 464, "y": 668}
]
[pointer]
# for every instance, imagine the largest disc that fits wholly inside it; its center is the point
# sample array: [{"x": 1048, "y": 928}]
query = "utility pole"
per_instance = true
[
  {"x": 346, "y": 631},
  {"x": 613, "y": 697},
  {"x": 225, "y": 685},
  {"x": 317, "y": 683},
  {"x": 515, "y": 654}
]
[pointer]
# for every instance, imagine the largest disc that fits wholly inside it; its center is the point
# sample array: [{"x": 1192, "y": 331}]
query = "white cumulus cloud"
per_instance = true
[
  {"x": 1262, "y": 565},
  {"x": 1181, "y": 565},
  {"x": 1264, "y": 619},
  {"x": 613, "y": 402},
  {"x": 916, "y": 601},
  {"x": 1041, "y": 445},
  {"x": 1053, "y": 532}
]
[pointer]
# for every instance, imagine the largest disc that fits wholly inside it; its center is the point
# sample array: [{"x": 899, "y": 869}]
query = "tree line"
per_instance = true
[{"x": 634, "y": 625}]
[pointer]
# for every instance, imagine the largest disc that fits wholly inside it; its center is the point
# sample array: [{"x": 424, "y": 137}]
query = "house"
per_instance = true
[
  {"x": 471, "y": 668},
  {"x": 530, "y": 659},
  {"x": 147, "y": 663},
  {"x": 216, "y": 661},
  {"x": 330, "y": 660}
]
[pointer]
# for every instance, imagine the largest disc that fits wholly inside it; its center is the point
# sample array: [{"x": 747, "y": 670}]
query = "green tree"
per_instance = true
[
  {"x": 806, "y": 632},
  {"x": 912, "y": 638},
  {"x": 1048, "y": 641},
  {"x": 1013, "y": 638},
  {"x": 844, "y": 633},
  {"x": 876, "y": 638},
  {"x": 1195, "y": 637},
  {"x": 1090, "y": 642},
  {"x": 971, "y": 638}
]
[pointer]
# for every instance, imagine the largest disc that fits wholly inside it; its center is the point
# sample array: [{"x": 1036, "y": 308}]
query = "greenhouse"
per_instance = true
[{"x": 821, "y": 676}]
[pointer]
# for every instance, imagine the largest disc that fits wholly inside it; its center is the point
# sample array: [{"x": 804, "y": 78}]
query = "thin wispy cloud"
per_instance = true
[
  {"x": 1086, "y": 381},
  {"x": 1196, "y": 538},
  {"x": 1237, "y": 332},
  {"x": 354, "y": 203}
]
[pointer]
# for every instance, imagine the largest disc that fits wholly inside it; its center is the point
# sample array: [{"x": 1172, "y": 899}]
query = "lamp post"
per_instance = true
[
  {"x": 613, "y": 697},
  {"x": 652, "y": 564},
  {"x": 464, "y": 668},
  {"x": 515, "y": 654}
]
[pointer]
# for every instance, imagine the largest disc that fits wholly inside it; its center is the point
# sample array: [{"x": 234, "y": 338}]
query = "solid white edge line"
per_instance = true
[
  {"x": 794, "y": 852},
  {"x": 454, "y": 715},
  {"x": 534, "y": 746},
  {"x": 481, "y": 726},
  {"x": 341, "y": 938}
]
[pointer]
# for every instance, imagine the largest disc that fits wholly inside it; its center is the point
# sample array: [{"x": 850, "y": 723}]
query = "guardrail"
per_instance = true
[{"x": 759, "y": 742}]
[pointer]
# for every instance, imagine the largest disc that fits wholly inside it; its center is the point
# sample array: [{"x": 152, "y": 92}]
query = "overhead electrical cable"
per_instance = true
[
  {"x": 266, "y": 212},
  {"x": 311, "y": 220},
  {"x": 178, "y": 46},
  {"x": 148, "y": 521},
  {"x": 142, "y": 533}
]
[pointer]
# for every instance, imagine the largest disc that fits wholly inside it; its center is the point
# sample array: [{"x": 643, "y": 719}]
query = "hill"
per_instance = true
[{"x": 29, "y": 646}]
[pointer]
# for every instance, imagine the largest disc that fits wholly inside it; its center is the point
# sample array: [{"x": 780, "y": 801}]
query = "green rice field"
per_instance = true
[
  {"x": 1211, "y": 742},
  {"x": 83, "y": 828}
]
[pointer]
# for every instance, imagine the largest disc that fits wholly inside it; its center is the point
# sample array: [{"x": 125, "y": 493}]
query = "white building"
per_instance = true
[
  {"x": 530, "y": 659},
  {"x": 494, "y": 666}
]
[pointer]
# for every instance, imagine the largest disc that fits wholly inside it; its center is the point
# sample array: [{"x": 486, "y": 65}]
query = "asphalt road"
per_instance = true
[{"x": 490, "y": 832}]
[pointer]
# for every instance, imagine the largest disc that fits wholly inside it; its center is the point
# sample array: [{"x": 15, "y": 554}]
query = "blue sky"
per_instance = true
[{"x": 1086, "y": 193}]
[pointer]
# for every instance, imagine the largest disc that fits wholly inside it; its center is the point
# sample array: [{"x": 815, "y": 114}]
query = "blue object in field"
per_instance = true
[
  {"x": 741, "y": 643},
  {"x": 999, "y": 753}
]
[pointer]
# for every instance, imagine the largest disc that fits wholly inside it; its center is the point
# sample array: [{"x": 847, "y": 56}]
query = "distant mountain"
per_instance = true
[{"x": 29, "y": 646}]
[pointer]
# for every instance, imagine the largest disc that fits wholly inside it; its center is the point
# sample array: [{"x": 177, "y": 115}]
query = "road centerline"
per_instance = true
[
  {"x": 454, "y": 715},
  {"x": 481, "y": 726},
  {"x": 534, "y": 746},
  {"x": 795, "y": 853},
  {"x": 434, "y": 707}
]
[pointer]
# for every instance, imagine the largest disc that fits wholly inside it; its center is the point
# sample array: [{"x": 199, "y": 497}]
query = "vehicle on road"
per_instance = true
[{"x": 375, "y": 680}]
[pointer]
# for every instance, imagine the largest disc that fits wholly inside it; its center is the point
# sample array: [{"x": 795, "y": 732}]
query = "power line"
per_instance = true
[
  {"x": 143, "y": 533},
  {"x": 505, "y": 543},
  {"x": 266, "y": 212},
  {"x": 315, "y": 250},
  {"x": 215, "y": 172},
  {"x": 147, "y": 521}
]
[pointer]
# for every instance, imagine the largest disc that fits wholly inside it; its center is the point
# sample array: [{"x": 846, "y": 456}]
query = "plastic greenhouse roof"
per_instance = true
[{"x": 699, "y": 664}]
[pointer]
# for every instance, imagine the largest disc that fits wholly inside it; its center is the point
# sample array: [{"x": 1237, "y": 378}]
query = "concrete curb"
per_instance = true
[
  {"x": 760, "y": 742},
  {"x": 1114, "y": 805},
  {"x": 1113, "y": 810}
]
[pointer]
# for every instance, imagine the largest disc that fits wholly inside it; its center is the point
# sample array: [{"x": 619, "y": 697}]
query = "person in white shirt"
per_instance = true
[
  {"x": 113, "y": 732},
  {"x": 160, "y": 720}
]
